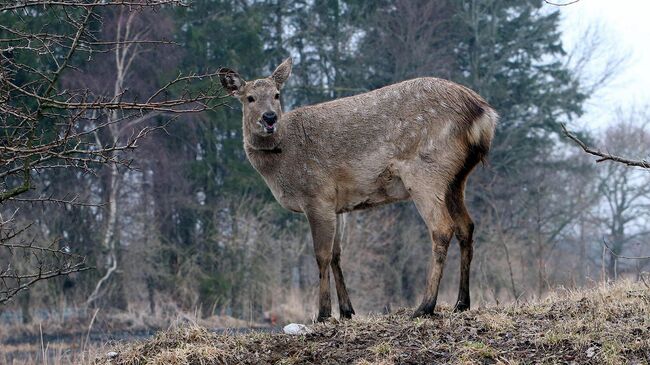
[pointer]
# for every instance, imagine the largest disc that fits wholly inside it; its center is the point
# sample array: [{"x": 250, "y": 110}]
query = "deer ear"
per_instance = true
[
  {"x": 231, "y": 81},
  {"x": 281, "y": 74}
]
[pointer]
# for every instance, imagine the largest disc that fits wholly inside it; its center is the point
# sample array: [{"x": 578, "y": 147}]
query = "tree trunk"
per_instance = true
[
  {"x": 151, "y": 294},
  {"x": 611, "y": 267},
  {"x": 25, "y": 301}
]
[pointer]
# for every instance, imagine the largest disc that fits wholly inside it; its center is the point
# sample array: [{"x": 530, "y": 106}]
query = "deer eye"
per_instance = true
[
  {"x": 250, "y": 99},
  {"x": 277, "y": 96}
]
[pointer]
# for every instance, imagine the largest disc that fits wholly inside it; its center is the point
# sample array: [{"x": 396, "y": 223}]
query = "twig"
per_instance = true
[
  {"x": 78, "y": 4},
  {"x": 624, "y": 257},
  {"x": 90, "y": 327},
  {"x": 604, "y": 156},
  {"x": 557, "y": 4}
]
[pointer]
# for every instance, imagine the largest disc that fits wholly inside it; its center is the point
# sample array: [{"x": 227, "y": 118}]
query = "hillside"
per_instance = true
[{"x": 604, "y": 325}]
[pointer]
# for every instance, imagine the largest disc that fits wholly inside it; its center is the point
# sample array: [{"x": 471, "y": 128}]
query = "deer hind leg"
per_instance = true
[
  {"x": 323, "y": 229},
  {"x": 463, "y": 225},
  {"x": 345, "y": 306},
  {"x": 440, "y": 225},
  {"x": 464, "y": 230}
]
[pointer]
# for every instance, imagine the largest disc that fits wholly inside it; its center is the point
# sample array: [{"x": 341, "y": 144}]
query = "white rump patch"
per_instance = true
[{"x": 482, "y": 130}]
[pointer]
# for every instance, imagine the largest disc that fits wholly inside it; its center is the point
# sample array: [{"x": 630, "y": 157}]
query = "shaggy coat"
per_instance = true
[{"x": 415, "y": 140}]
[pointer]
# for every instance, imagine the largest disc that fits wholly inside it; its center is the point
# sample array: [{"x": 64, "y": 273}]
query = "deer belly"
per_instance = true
[{"x": 382, "y": 191}]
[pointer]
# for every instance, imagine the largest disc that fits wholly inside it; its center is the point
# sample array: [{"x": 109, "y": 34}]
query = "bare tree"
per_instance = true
[
  {"x": 625, "y": 191},
  {"x": 595, "y": 65},
  {"x": 130, "y": 35},
  {"x": 48, "y": 125}
]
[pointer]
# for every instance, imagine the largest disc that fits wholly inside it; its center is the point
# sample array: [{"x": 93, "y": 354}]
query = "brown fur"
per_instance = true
[{"x": 418, "y": 139}]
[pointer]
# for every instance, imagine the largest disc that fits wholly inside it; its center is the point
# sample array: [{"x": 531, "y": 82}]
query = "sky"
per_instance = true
[{"x": 624, "y": 28}]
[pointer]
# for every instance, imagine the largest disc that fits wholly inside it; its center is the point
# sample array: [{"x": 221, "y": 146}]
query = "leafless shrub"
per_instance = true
[
  {"x": 49, "y": 125},
  {"x": 27, "y": 263}
]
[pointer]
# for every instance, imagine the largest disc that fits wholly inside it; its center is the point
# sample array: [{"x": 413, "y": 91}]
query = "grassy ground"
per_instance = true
[{"x": 604, "y": 325}]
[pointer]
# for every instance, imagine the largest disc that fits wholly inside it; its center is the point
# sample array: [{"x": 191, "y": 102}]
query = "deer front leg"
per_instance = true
[
  {"x": 345, "y": 306},
  {"x": 322, "y": 222}
]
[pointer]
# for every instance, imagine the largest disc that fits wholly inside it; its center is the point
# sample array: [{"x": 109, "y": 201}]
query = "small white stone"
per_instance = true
[
  {"x": 296, "y": 329},
  {"x": 591, "y": 352}
]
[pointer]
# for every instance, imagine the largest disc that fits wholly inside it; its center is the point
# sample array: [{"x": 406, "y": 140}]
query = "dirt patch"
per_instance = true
[{"x": 605, "y": 325}]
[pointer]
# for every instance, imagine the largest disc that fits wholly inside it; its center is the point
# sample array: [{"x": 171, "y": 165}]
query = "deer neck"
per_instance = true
[{"x": 256, "y": 142}]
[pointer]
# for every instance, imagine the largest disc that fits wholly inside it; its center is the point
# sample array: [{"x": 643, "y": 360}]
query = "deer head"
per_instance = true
[{"x": 262, "y": 111}]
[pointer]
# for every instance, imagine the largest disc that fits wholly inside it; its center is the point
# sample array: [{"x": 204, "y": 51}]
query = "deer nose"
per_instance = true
[{"x": 270, "y": 117}]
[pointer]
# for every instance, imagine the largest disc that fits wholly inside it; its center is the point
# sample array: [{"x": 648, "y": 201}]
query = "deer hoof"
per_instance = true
[
  {"x": 424, "y": 310},
  {"x": 346, "y": 313},
  {"x": 322, "y": 317},
  {"x": 461, "y": 307}
]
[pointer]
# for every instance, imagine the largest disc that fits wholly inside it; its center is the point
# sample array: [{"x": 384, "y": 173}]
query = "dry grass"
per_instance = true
[
  {"x": 77, "y": 339},
  {"x": 605, "y": 325},
  {"x": 137, "y": 318}
]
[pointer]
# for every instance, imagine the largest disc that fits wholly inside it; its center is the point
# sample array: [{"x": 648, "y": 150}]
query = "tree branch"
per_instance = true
[
  {"x": 604, "y": 156},
  {"x": 558, "y": 4},
  {"x": 621, "y": 256}
]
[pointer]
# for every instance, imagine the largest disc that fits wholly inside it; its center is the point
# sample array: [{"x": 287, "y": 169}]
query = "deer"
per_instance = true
[{"x": 414, "y": 140}]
